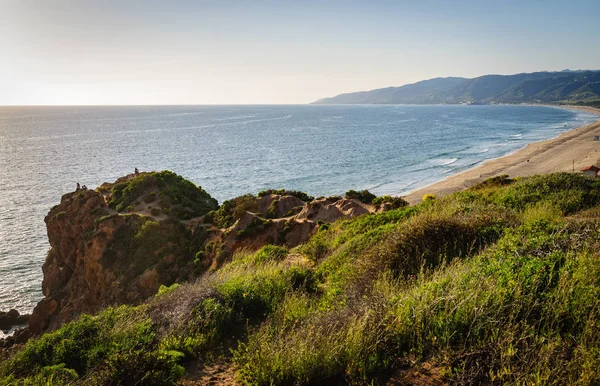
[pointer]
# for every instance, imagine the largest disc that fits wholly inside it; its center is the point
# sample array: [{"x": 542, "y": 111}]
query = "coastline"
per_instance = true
[{"x": 573, "y": 149}]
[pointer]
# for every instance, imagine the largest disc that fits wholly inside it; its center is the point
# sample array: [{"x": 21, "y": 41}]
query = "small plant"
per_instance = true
[{"x": 163, "y": 289}]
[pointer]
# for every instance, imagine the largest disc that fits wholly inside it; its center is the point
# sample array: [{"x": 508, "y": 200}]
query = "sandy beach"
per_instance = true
[{"x": 571, "y": 150}]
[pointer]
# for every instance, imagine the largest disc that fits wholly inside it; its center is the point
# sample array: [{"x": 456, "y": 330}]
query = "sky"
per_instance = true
[{"x": 55, "y": 52}]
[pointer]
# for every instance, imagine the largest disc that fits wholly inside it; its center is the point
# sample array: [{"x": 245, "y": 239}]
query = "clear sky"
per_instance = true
[{"x": 281, "y": 51}]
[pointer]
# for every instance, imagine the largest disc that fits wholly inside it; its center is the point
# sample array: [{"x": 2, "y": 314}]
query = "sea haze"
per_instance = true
[{"x": 232, "y": 150}]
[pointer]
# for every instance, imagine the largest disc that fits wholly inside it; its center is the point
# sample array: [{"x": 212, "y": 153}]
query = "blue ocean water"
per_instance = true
[{"x": 232, "y": 150}]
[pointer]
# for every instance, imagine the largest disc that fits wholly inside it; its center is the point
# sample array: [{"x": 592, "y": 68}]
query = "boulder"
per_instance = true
[{"x": 12, "y": 318}]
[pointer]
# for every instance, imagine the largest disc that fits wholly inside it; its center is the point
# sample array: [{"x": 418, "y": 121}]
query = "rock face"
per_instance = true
[
  {"x": 289, "y": 221},
  {"x": 119, "y": 243},
  {"x": 99, "y": 257},
  {"x": 331, "y": 209}
]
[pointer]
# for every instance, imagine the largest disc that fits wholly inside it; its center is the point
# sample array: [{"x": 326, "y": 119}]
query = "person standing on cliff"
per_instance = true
[
  {"x": 78, "y": 187},
  {"x": 136, "y": 171}
]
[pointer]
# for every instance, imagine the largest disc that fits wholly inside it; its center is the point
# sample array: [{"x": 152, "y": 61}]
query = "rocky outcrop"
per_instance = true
[
  {"x": 277, "y": 206},
  {"x": 333, "y": 208},
  {"x": 118, "y": 244},
  {"x": 18, "y": 336},
  {"x": 12, "y": 318},
  {"x": 298, "y": 220},
  {"x": 100, "y": 257}
]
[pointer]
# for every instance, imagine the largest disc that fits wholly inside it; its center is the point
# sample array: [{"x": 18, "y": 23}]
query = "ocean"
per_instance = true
[{"x": 232, "y": 150}]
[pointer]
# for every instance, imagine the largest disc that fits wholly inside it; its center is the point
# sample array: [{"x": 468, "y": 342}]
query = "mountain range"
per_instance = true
[{"x": 537, "y": 87}]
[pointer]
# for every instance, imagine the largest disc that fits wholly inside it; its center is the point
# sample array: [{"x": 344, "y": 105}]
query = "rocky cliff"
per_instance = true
[{"x": 119, "y": 243}]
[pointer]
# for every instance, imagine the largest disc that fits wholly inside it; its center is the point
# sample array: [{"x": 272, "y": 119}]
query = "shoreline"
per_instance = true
[{"x": 572, "y": 149}]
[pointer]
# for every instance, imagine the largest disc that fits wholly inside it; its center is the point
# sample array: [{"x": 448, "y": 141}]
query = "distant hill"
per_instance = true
[{"x": 538, "y": 87}]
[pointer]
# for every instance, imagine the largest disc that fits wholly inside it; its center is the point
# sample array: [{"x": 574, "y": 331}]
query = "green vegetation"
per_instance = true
[
  {"x": 592, "y": 103},
  {"x": 256, "y": 225},
  {"x": 537, "y": 87},
  {"x": 119, "y": 346},
  {"x": 233, "y": 209},
  {"x": 363, "y": 196},
  {"x": 141, "y": 243},
  {"x": 499, "y": 284},
  {"x": 283, "y": 192},
  {"x": 392, "y": 202},
  {"x": 177, "y": 196},
  {"x": 272, "y": 253}
]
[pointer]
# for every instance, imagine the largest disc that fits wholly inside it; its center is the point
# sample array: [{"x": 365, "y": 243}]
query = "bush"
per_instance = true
[
  {"x": 202, "y": 330},
  {"x": 257, "y": 293},
  {"x": 231, "y": 210},
  {"x": 119, "y": 345},
  {"x": 363, "y": 196},
  {"x": 393, "y": 202},
  {"x": 283, "y": 192},
  {"x": 163, "y": 289},
  {"x": 494, "y": 182},
  {"x": 256, "y": 225},
  {"x": 270, "y": 253}
]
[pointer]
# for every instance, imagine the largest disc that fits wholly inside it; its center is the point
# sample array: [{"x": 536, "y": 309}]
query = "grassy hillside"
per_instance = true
[
  {"x": 174, "y": 194},
  {"x": 537, "y": 87},
  {"x": 421, "y": 92},
  {"x": 499, "y": 284}
]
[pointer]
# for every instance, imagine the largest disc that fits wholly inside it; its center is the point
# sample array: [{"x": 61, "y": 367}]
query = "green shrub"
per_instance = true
[
  {"x": 202, "y": 329},
  {"x": 231, "y": 210},
  {"x": 393, "y": 202},
  {"x": 257, "y": 293},
  {"x": 518, "y": 307},
  {"x": 163, "y": 289},
  {"x": 283, "y": 192},
  {"x": 270, "y": 253},
  {"x": 119, "y": 345},
  {"x": 256, "y": 225},
  {"x": 363, "y": 196},
  {"x": 494, "y": 182}
]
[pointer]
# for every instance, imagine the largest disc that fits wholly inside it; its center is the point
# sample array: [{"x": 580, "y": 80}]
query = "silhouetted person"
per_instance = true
[
  {"x": 78, "y": 187},
  {"x": 136, "y": 171}
]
